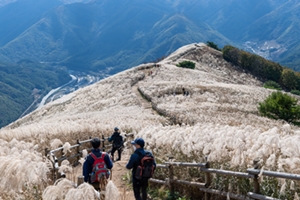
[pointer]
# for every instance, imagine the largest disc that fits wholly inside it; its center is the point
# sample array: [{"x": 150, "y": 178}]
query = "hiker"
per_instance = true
[
  {"x": 185, "y": 93},
  {"x": 118, "y": 143},
  {"x": 96, "y": 157},
  {"x": 141, "y": 172}
]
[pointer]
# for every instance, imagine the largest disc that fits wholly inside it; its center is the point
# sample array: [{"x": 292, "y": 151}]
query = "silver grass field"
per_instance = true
[{"x": 219, "y": 120}]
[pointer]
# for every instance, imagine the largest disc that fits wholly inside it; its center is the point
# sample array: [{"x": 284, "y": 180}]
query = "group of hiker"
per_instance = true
[{"x": 98, "y": 164}]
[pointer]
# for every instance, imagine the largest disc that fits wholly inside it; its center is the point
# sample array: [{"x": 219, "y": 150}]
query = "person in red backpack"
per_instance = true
[
  {"x": 139, "y": 182},
  {"x": 91, "y": 159}
]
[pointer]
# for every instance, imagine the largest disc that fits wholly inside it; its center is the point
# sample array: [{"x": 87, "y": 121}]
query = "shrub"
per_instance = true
[
  {"x": 213, "y": 45},
  {"x": 232, "y": 54},
  {"x": 290, "y": 79},
  {"x": 296, "y": 92},
  {"x": 280, "y": 106},
  {"x": 272, "y": 85},
  {"x": 186, "y": 64}
]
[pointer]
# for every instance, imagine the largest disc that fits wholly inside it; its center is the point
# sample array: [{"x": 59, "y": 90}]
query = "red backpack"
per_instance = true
[{"x": 99, "y": 168}]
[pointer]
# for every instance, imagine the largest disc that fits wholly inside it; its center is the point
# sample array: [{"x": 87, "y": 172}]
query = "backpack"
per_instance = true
[
  {"x": 146, "y": 167},
  {"x": 118, "y": 141},
  {"x": 99, "y": 168}
]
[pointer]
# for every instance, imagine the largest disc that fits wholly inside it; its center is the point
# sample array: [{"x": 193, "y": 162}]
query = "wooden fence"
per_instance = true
[
  {"x": 206, "y": 186},
  {"x": 56, "y": 156}
]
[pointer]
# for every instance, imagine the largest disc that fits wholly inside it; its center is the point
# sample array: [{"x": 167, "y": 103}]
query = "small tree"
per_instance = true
[
  {"x": 280, "y": 106},
  {"x": 186, "y": 64},
  {"x": 213, "y": 45},
  {"x": 296, "y": 92},
  {"x": 272, "y": 85}
]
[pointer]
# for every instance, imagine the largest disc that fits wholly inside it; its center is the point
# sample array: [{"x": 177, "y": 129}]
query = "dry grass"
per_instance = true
[{"x": 219, "y": 119}]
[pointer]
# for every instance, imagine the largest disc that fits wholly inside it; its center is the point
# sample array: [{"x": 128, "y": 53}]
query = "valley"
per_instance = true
[
  {"x": 270, "y": 50},
  {"x": 79, "y": 80}
]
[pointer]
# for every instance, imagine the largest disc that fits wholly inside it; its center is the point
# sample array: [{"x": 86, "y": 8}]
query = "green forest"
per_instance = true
[
  {"x": 17, "y": 83},
  {"x": 263, "y": 69}
]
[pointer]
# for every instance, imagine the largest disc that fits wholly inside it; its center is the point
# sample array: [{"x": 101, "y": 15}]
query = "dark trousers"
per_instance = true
[
  {"x": 138, "y": 187},
  {"x": 114, "y": 149}
]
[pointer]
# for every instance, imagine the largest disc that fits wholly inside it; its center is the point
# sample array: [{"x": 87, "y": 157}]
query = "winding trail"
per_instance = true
[{"x": 143, "y": 102}]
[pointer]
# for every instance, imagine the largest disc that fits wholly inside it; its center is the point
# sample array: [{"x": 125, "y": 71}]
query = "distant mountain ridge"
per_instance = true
[
  {"x": 103, "y": 34},
  {"x": 95, "y": 35},
  {"x": 281, "y": 25}
]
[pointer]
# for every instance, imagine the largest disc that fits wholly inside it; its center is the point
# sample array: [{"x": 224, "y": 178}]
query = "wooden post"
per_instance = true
[
  {"x": 80, "y": 180},
  {"x": 46, "y": 152},
  {"x": 256, "y": 165},
  {"x": 61, "y": 153},
  {"x": 57, "y": 175},
  {"x": 103, "y": 145},
  {"x": 207, "y": 180},
  {"x": 78, "y": 151},
  {"x": 171, "y": 181}
]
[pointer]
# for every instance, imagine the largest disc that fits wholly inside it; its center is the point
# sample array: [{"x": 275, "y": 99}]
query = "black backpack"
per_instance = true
[
  {"x": 118, "y": 141},
  {"x": 146, "y": 167}
]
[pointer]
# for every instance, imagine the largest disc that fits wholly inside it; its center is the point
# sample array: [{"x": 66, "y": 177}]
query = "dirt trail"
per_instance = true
[
  {"x": 120, "y": 177},
  {"x": 120, "y": 174},
  {"x": 144, "y": 103}
]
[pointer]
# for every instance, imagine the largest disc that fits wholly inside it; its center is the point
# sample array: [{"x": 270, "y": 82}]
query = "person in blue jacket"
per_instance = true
[
  {"x": 89, "y": 161},
  {"x": 133, "y": 163}
]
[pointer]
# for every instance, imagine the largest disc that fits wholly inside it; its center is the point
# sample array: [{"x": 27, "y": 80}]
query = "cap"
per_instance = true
[
  {"x": 139, "y": 141},
  {"x": 95, "y": 143},
  {"x": 116, "y": 129}
]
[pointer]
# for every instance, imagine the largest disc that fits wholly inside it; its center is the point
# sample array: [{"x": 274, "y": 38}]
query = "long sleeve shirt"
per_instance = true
[
  {"x": 88, "y": 164},
  {"x": 135, "y": 160}
]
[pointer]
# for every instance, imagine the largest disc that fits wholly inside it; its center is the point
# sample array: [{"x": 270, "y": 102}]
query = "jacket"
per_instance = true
[
  {"x": 113, "y": 139},
  {"x": 135, "y": 160},
  {"x": 89, "y": 161}
]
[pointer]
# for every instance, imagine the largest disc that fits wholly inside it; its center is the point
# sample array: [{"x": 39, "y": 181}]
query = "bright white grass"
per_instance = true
[
  {"x": 65, "y": 189},
  {"x": 112, "y": 192},
  {"x": 58, "y": 190},
  {"x": 22, "y": 167},
  {"x": 237, "y": 145},
  {"x": 84, "y": 191},
  {"x": 56, "y": 143}
]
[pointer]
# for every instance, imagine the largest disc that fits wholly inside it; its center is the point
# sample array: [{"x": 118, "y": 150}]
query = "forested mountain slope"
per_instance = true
[{"x": 23, "y": 84}]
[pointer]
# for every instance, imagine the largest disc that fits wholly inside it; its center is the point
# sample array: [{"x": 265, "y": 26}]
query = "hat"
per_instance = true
[
  {"x": 116, "y": 129},
  {"x": 95, "y": 143},
  {"x": 139, "y": 141}
]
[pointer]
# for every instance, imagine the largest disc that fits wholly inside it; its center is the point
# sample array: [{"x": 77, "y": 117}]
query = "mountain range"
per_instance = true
[{"x": 97, "y": 35}]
